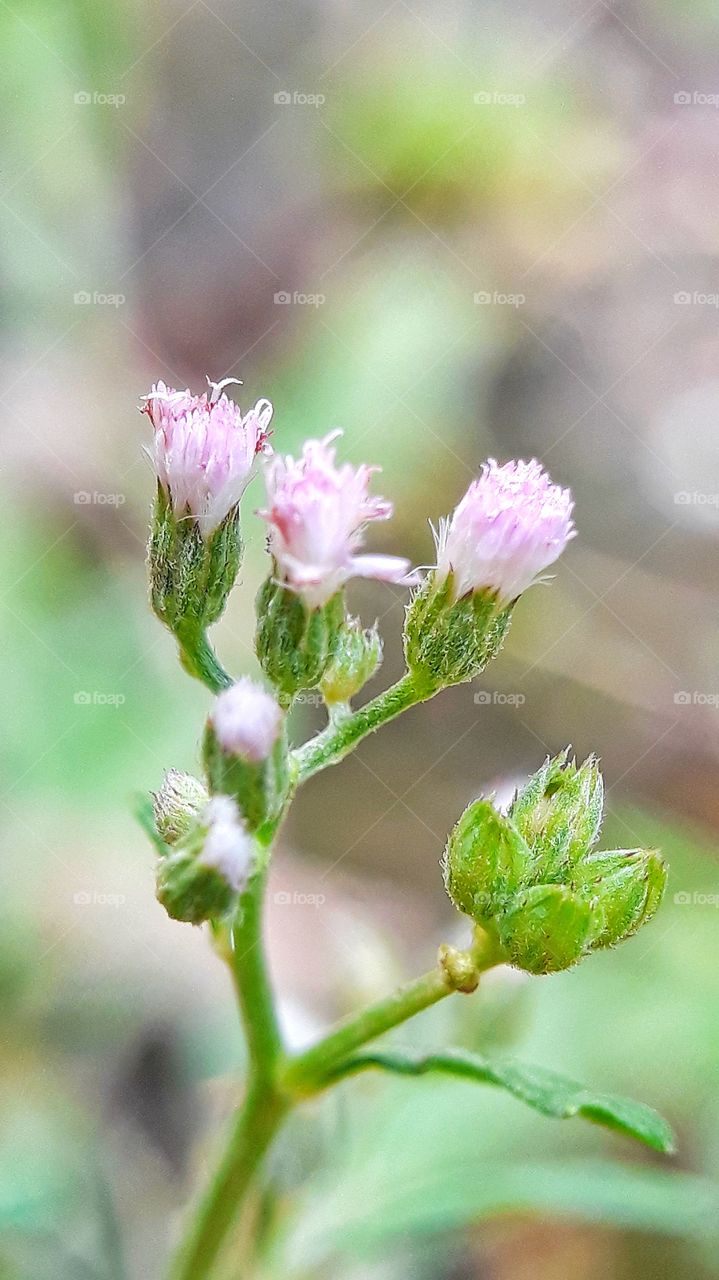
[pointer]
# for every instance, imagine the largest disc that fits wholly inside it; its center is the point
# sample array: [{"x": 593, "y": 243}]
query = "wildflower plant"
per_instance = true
[{"x": 536, "y": 892}]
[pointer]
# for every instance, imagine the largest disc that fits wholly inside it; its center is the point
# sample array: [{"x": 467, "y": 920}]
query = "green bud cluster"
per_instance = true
[
  {"x": 449, "y": 641},
  {"x": 195, "y": 886},
  {"x": 533, "y": 880}
]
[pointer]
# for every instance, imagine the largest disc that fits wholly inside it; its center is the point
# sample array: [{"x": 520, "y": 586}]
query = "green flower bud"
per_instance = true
[
  {"x": 559, "y": 812},
  {"x": 532, "y": 881},
  {"x": 245, "y": 751},
  {"x": 177, "y": 804},
  {"x": 191, "y": 574},
  {"x": 626, "y": 887},
  {"x": 357, "y": 656},
  {"x": 447, "y": 640},
  {"x": 294, "y": 642},
  {"x": 546, "y": 930},
  {"x": 485, "y": 863},
  {"x": 208, "y": 868}
]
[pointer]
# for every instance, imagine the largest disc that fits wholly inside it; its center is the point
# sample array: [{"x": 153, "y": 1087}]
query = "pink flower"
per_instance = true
[
  {"x": 228, "y": 847},
  {"x": 246, "y": 720},
  {"x": 511, "y": 524},
  {"x": 204, "y": 449},
  {"x": 316, "y": 513}
]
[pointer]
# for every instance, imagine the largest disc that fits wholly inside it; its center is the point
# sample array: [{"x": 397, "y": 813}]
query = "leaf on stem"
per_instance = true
[{"x": 551, "y": 1094}]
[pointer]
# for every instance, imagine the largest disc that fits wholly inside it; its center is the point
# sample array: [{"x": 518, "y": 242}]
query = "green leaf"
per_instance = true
[{"x": 545, "y": 1091}]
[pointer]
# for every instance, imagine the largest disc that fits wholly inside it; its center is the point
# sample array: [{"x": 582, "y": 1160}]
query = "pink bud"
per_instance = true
[
  {"x": 316, "y": 513},
  {"x": 228, "y": 847},
  {"x": 246, "y": 721},
  {"x": 204, "y": 449},
  {"x": 511, "y": 524}
]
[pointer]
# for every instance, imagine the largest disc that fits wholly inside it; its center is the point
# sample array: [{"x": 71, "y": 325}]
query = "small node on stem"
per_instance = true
[{"x": 459, "y": 968}]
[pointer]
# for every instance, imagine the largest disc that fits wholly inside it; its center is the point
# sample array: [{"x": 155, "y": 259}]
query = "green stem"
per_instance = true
[
  {"x": 252, "y": 983},
  {"x": 338, "y": 739},
  {"x": 455, "y": 971},
  {"x": 200, "y": 660},
  {"x": 255, "y": 1127}
]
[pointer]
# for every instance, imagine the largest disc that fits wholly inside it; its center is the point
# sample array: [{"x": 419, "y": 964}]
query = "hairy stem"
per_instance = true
[
  {"x": 339, "y": 738},
  {"x": 200, "y": 660}
]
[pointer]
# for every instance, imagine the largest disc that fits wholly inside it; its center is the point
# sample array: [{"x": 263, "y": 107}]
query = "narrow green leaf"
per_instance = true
[{"x": 546, "y": 1092}]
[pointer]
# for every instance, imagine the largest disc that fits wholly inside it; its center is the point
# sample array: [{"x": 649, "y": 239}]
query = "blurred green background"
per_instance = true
[{"x": 455, "y": 231}]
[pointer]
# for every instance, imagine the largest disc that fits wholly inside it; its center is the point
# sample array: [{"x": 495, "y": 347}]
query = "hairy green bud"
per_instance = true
[
  {"x": 208, "y": 867},
  {"x": 294, "y": 642},
  {"x": 532, "y": 880},
  {"x": 448, "y": 641},
  {"x": 191, "y": 576},
  {"x": 177, "y": 804},
  {"x": 356, "y": 658}
]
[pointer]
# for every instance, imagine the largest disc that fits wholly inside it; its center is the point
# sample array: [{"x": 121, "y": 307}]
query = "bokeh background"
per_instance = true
[{"x": 454, "y": 231}]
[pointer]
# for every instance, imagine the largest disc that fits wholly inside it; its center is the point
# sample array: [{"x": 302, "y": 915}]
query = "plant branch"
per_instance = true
[{"x": 341, "y": 737}]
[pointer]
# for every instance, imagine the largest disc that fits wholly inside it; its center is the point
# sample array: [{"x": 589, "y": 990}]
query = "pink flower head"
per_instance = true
[
  {"x": 316, "y": 513},
  {"x": 228, "y": 847},
  {"x": 204, "y": 449},
  {"x": 511, "y": 524},
  {"x": 246, "y": 720}
]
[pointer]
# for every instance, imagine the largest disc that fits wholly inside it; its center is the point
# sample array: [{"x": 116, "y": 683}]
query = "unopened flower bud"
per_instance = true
[
  {"x": 177, "y": 804},
  {"x": 511, "y": 524},
  {"x": 203, "y": 454},
  {"x": 559, "y": 811},
  {"x": 294, "y": 642},
  {"x": 245, "y": 751},
  {"x": 357, "y": 656},
  {"x": 209, "y": 867},
  {"x": 532, "y": 881}
]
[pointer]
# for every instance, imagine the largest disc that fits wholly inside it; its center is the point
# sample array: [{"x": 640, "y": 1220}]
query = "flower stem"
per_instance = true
[
  {"x": 339, "y": 738},
  {"x": 455, "y": 971},
  {"x": 200, "y": 660}
]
